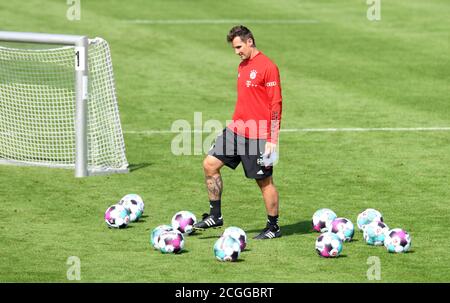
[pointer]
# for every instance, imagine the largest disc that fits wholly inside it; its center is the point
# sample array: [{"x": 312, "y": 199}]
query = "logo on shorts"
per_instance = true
[
  {"x": 260, "y": 160},
  {"x": 253, "y": 74}
]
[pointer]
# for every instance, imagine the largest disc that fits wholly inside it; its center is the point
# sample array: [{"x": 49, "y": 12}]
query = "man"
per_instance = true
[{"x": 252, "y": 136}]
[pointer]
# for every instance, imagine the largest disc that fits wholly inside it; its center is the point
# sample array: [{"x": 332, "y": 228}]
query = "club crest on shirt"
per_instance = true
[{"x": 253, "y": 74}]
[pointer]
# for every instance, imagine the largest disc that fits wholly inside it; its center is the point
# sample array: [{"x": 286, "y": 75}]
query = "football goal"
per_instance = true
[{"x": 58, "y": 104}]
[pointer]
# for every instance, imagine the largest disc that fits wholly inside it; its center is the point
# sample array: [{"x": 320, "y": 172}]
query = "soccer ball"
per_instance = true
[
  {"x": 342, "y": 227},
  {"x": 134, "y": 205},
  {"x": 154, "y": 235},
  {"x": 116, "y": 216},
  {"x": 368, "y": 216},
  {"x": 171, "y": 242},
  {"x": 397, "y": 240},
  {"x": 227, "y": 249},
  {"x": 321, "y": 218},
  {"x": 238, "y": 234},
  {"x": 329, "y": 245},
  {"x": 374, "y": 233},
  {"x": 184, "y": 221}
]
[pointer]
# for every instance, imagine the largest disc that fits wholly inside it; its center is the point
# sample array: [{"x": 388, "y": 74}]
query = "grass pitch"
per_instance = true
[{"x": 338, "y": 70}]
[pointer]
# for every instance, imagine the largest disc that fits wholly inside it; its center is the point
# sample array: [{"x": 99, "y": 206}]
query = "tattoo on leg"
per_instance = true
[{"x": 214, "y": 185}]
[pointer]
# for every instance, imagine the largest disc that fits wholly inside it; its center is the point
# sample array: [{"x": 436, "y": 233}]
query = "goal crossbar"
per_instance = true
[{"x": 42, "y": 38}]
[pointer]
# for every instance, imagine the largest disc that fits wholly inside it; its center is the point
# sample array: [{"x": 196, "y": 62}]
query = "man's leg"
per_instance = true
[
  {"x": 213, "y": 179},
  {"x": 271, "y": 200},
  {"x": 214, "y": 185},
  {"x": 270, "y": 195}
]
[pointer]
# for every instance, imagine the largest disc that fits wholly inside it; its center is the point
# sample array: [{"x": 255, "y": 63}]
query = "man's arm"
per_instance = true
[{"x": 273, "y": 90}]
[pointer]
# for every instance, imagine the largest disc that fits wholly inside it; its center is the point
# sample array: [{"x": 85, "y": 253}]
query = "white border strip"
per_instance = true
[
  {"x": 220, "y": 21},
  {"x": 307, "y": 130}
]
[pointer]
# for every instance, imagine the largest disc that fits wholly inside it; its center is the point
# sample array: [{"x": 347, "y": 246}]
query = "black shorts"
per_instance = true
[{"x": 233, "y": 149}]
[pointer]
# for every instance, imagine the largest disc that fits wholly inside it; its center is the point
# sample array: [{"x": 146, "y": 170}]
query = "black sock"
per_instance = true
[
  {"x": 215, "y": 208},
  {"x": 272, "y": 222}
]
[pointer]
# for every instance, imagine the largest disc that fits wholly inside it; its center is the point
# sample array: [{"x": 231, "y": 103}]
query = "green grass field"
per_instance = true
[{"x": 338, "y": 70}]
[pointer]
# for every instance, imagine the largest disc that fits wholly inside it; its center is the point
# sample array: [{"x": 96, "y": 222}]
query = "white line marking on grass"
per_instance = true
[
  {"x": 220, "y": 21},
  {"x": 308, "y": 130}
]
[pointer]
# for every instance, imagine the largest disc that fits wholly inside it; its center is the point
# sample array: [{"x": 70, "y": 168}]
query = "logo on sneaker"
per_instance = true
[
  {"x": 270, "y": 234},
  {"x": 210, "y": 221}
]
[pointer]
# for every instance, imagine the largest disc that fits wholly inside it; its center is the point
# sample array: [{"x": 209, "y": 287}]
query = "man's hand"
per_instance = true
[
  {"x": 270, "y": 148},
  {"x": 270, "y": 155}
]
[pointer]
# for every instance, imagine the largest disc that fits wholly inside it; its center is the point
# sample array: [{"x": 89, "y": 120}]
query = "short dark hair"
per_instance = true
[{"x": 240, "y": 31}]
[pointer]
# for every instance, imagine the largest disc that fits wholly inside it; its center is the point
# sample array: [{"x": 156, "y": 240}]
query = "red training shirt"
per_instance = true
[{"x": 258, "y": 107}]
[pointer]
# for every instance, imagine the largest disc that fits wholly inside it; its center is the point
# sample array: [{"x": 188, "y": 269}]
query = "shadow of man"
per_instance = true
[{"x": 301, "y": 227}]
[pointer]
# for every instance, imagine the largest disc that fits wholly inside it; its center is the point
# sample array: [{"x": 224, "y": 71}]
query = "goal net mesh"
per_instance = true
[{"x": 37, "y": 108}]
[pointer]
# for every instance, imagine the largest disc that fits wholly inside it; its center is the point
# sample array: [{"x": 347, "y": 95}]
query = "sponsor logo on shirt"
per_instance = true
[
  {"x": 249, "y": 83},
  {"x": 270, "y": 84}
]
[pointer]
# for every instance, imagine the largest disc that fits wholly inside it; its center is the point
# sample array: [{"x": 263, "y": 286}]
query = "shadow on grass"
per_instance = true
[
  {"x": 301, "y": 227},
  {"x": 191, "y": 235},
  {"x": 141, "y": 219},
  {"x": 237, "y": 261},
  {"x": 122, "y": 228},
  {"x": 210, "y": 237},
  {"x": 331, "y": 258},
  {"x": 404, "y": 253},
  {"x": 231, "y": 262},
  {"x": 134, "y": 167}
]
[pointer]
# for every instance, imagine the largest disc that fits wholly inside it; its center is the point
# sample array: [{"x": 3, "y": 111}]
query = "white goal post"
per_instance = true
[{"x": 58, "y": 105}]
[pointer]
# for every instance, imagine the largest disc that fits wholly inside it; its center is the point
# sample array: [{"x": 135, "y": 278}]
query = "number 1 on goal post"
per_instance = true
[{"x": 81, "y": 96}]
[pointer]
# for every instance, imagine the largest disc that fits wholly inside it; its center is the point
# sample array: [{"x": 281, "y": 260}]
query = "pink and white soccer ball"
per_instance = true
[
  {"x": 328, "y": 245},
  {"x": 134, "y": 204},
  {"x": 236, "y": 233},
  {"x": 116, "y": 216},
  {"x": 184, "y": 221},
  {"x": 397, "y": 240},
  {"x": 227, "y": 249},
  {"x": 322, "y": 218},
  {"x": 342, "y": 227},
  {"x": 367, "y": 217},
  {"x": 171, "y": 242},
  {"x": 156, "y": 232}
]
